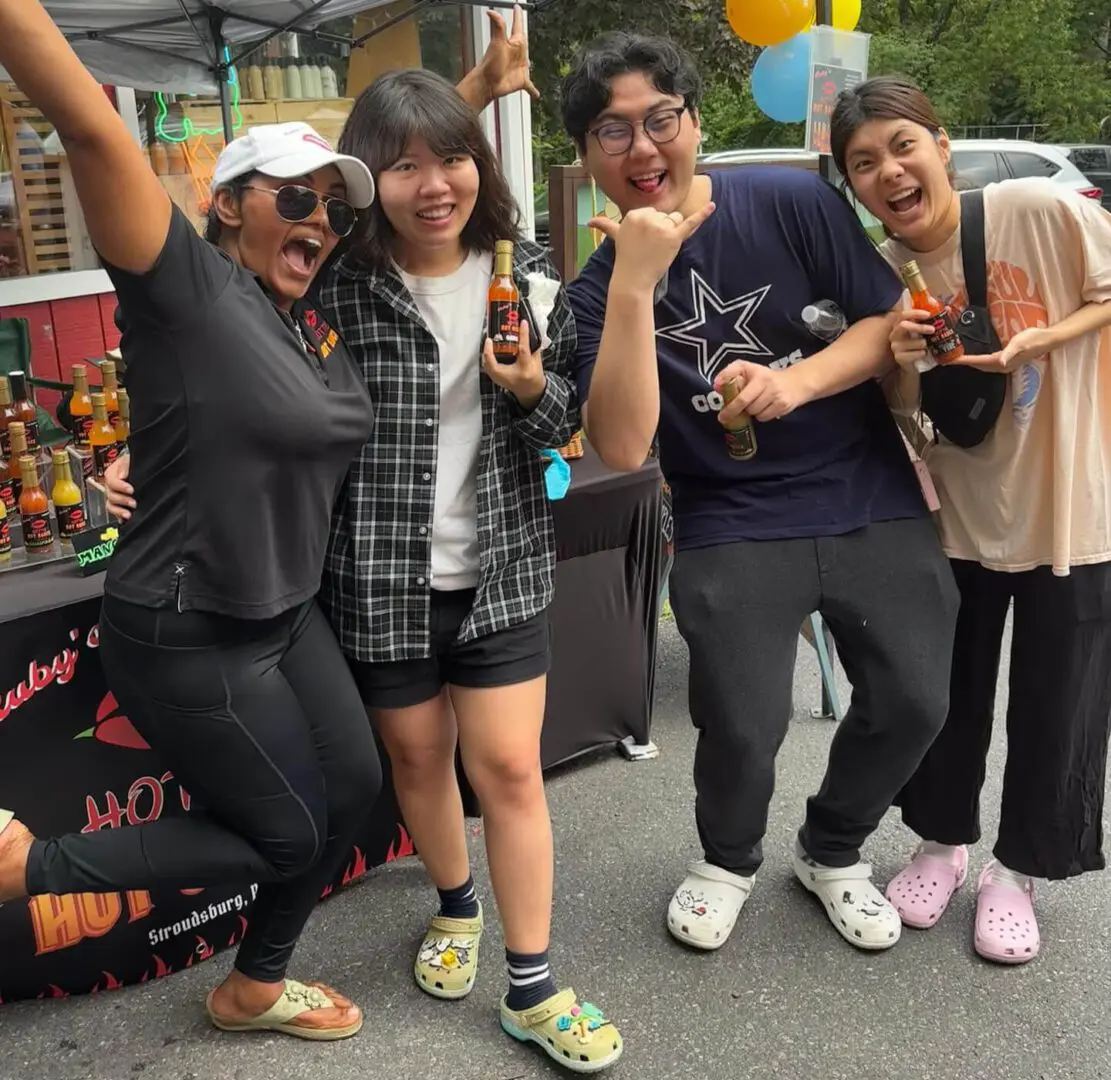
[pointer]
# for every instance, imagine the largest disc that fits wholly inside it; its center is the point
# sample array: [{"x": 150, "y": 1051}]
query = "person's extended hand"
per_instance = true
[
  {"x": 524, "y": 378},
  {"x": 766, "y": 393},
  {"x": 647, "y": 241},
  {"x": 1027, "y": 345},
  {"x": 908, "y": 337},
  {"x": 120, "y": 502},
  {"x": 505, "y": 66}
]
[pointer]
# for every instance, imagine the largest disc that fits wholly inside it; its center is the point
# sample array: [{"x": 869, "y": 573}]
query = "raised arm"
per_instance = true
[
  {"x": 504, "y": 68},
  {"x": 127, "y": 211}
]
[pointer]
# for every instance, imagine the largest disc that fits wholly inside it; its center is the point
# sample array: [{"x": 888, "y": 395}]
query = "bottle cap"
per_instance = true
[
  {"x": 503, "y": 247},
  {"x": 60, "y": 457},
  {"x": 810, "y": 314},
  {"x": 910, "y": 268},
  {"x": 98, "y": 398}
]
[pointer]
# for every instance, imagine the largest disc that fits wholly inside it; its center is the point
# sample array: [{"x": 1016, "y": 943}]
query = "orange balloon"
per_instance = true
[{"x": 768, "y": 22}]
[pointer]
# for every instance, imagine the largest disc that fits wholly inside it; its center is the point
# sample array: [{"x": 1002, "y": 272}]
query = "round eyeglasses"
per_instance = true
[{"x": 616, "y": 136}]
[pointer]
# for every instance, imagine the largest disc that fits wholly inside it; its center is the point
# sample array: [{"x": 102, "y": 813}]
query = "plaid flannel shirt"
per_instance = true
[{"x": 377, "y": 570}]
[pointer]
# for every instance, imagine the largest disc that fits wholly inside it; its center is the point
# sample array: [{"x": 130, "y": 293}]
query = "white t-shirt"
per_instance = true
[
  {"x": 454, "y": 309},
  {"x": 1037, "y": 490}
]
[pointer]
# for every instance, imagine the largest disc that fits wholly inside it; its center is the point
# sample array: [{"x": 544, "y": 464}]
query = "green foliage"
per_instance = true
[{"x": 985, "y": 63}]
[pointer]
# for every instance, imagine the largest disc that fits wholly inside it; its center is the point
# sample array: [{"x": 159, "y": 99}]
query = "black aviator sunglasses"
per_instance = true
[{"x": 296, "y": 203}]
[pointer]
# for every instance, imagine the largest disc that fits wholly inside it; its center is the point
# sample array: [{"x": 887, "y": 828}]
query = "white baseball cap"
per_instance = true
[{"x": 289, "y": 150}]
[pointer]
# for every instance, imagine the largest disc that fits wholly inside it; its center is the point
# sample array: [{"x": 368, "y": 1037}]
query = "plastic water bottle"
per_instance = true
[{"x": 825, "y": 320}]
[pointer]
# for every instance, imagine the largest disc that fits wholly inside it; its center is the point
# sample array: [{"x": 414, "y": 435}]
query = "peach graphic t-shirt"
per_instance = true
[{"x": 1037, "y": 490}]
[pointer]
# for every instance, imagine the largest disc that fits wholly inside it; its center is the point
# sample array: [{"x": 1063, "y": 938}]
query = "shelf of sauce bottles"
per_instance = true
[{"x": 48, "y": 497}]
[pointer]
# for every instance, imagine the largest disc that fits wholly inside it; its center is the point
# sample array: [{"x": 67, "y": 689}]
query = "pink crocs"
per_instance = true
[
  {"x": 921, "y": 892},
  {"x": 1006, "y": 929}
]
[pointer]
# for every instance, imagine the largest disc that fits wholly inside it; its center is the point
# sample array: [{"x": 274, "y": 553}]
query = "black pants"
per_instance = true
[
  {"x": 1058, "y": 720},
  {"x": 888, "y": 596},
  {"x": 262, "y": 725}
]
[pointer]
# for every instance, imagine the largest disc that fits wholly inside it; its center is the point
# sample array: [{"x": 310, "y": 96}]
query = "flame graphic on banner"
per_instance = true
[
  {"x": 238, "y": 934},
  {"x": 112, "y": 983},
  {"x": 55, "y": 992}
]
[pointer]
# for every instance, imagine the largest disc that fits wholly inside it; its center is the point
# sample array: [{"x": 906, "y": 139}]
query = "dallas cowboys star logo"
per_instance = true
[{"x": 746, "y": 344}]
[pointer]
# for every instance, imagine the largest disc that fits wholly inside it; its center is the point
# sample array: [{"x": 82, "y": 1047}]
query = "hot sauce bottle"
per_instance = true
[
  {"x": 34, "y": 510},
  {"x": 740, "y": 439},
  {"x": 944, "y": 343},
  {"x": 68, "y": 507},
  {"x": 102, "y": 438},
  {"x": 7, "y": 415},
  {"x": 17, "y": 434},
  {"x": 111, "y": 390},
  {"x": 503, "y": 306},
  {"x": 7, "y": 482},
  {"x": 24, "y": 410},
  {"x": 5, "y": 536},
  {"x": 123, "y": 424},
  {"x": 81, "y": 407}
]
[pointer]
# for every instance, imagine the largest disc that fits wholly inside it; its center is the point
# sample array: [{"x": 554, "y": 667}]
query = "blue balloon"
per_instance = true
[{"x": 781, "y": 79}]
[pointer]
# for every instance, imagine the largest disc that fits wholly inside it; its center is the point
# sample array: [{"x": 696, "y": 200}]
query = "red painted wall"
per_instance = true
[{"x": 64, "y": 333}]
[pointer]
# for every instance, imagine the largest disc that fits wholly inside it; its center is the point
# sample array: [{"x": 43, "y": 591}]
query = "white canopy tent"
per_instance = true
[{"x": 188, "y": 46}]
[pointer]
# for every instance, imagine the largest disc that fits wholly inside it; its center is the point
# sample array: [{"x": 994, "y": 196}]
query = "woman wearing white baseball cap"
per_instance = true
[{"x": 246, "y": 411}]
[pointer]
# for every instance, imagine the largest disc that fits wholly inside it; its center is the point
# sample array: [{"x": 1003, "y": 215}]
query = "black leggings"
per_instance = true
[
  {"x": 1058, "y": 720},
  {"x": 262, "y": 725}
]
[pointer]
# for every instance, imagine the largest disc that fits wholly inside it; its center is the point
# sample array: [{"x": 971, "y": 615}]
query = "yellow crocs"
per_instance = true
[
  {"x": 578, "y": 1036},
  {"x": 447, "y": 960}
]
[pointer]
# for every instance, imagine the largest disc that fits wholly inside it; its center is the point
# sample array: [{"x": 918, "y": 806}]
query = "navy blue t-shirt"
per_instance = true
[{"x": 779, "y": 239}]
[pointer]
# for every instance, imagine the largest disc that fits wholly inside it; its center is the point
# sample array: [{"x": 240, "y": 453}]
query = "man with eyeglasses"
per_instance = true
[{"x": 705, "y": 280}]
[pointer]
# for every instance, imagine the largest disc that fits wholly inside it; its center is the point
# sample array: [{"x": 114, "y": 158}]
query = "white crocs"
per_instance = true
[
  {"x": 704, "y": 909},
  {"x": 860, "y": 913}
]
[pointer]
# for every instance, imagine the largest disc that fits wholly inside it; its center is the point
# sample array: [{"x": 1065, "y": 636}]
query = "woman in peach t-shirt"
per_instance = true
[{"x": 1025, "y": 517}]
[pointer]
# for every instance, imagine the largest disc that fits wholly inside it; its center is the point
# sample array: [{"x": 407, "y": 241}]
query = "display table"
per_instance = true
[{"x": 69, "y": 760}]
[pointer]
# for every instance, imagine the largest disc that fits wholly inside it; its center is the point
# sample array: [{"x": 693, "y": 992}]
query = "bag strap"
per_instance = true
[{"x": 973, "y": 248}]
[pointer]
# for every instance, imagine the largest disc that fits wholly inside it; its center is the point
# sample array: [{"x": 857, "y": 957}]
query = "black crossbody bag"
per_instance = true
[{"x": 963, "y": 403}]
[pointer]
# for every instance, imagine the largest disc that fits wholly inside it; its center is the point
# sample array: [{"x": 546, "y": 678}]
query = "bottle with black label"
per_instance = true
[
  {"x": 34, "y": 510},
  {"x": 68, "y": 507},
  {"x": 7, "y": 483},
  {"x": 7, "y": 415},
  {"x": 24, "y": 409},
  {"x": 740, "y": 439},
  {"x": 81, "y": 407},
  {"x": 5, "y": 536},
  {"x": 17, "y": 434},
  {"x": 102, "y": 438},
  {"x": 944, "y": 343},
  {"x": 503, "y": 305}
]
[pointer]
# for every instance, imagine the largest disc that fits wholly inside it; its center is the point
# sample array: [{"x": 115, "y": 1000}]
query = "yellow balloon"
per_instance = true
[
  {"x": 846, "y": 14},
  {"x": 769, "y": 22}
]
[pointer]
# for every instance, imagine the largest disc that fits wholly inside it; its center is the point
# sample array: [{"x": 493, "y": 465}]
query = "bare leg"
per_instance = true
[{"x": 499, "y": 733}]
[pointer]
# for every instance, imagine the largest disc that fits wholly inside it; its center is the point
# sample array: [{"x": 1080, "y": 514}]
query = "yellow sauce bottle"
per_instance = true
[{"x": 68, "y": 507}]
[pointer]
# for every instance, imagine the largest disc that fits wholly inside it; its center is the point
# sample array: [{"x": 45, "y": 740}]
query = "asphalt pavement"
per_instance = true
[{"x": 785, "y": 998}]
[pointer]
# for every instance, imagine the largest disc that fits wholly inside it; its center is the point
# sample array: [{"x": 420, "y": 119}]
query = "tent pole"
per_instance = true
[{"x": 223, "y": 74}]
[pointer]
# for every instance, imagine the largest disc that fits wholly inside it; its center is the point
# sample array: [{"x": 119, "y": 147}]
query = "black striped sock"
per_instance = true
[
  {"x": 460, "y": 903},
  {"x": 530, "y": 979}
]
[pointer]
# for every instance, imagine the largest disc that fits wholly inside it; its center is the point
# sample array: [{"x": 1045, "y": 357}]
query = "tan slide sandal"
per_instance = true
[{"x": 296, "y": 1000}]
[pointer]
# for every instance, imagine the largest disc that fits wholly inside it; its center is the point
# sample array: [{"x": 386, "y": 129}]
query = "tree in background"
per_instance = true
[{"x": 986, "y": 63}]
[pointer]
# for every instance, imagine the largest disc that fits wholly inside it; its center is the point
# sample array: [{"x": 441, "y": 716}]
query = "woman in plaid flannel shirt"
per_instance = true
[{"x": 442, "y": 557}]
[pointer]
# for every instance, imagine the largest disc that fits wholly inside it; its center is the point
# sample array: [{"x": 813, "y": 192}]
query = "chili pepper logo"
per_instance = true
[{"x": 113, "y": 729}]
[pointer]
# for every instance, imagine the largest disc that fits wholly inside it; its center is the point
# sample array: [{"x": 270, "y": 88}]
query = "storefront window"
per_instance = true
[{"x": 42, "y": 230}]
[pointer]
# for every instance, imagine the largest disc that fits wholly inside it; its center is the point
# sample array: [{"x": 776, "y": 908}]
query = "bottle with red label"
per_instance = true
[
  {"x": 81, "y": 407},
  {"x": 34, "y": 510},
  {"x": 24, "y": 409},
  {"x": 68, "y": 507},
  {"x": 102, "y": 438},
  {"x": 503, "y": 306}
]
